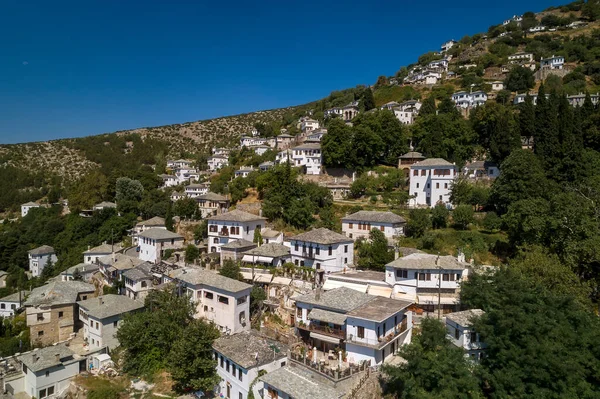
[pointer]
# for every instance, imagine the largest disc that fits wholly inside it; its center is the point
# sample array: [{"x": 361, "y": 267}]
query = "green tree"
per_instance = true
[
  {"x": 375, "y": 253},
  {"x": 169, "y": 218},
  {"x": 418, "y": 222},
  {"x": 191, "y": 360},
  {"x": 257, "y": 237},
  {"x": 428, "y": 107},
  {"x": 462, "y": 216},
  {"x": 185, "y": 207},
  {"x": 461, "y": 191},
  {"x": 497, "y": 129},
  {"x": 439, "y": 216},
  {"x": 492, "y": 222},
  {"x": 428, "y": 357},
  {"x": 337, "y": 144},
  {"x": 231, "y": 269},
  {"x": 128, "y": 190},
  {"x": 527, "y": 117},
  {"x": 519, "y": 79},
  {"x": 89, "y": 190},
  {"x": 191, "y": 253}
]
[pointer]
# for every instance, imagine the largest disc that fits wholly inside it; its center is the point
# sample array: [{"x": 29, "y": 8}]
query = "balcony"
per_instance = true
[
  {"x": 381, "y": 341},
  {"x": 308, "y": 254},
  {"x": 325, "y": 330}
]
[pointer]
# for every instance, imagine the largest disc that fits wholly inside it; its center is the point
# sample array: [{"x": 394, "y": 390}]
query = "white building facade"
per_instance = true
[
  {"x": 39, "y": 259},
  {"x": 430, "y": 182},
  {"x": 359, "y": 224},
  {"x": 153, "y": 243},
  {"x": 322, "y": 249},
  {"x": 231, "y": 226}
]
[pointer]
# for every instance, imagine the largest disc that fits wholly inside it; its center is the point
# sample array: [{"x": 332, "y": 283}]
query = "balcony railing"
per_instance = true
[
  {"x": 333, "y": 374},
  {"x": 381, "y": 341},
  {"x": 325, "y": 330},
  {"x": 308, "y": 254}
]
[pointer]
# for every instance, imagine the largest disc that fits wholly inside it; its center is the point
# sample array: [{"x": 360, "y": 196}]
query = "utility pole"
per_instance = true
[{"x": 439, "y": 286}]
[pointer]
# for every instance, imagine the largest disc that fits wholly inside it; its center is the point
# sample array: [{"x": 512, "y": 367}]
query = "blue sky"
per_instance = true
[{"x": 77, "y": 68}]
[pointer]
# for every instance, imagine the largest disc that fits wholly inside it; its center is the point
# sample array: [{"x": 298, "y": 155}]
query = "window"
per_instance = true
[
  {"x": 452, "y": 276},
  {"x": 223, "y": 299},
  {"x": 213, "y": 228},
  {"x": 215, "y": 240},
  {"x": 2, "y": 306},
  {"x": 417, "y": 185},
  {"x": 240, "y": 375},
  {"x": 446, "y": 277},
  {"x": 97, "y": 325},
  {"x": 345, "y": 260},
  {"x": 205, "y": 308},
  {"x": 402, "y": 273},
  {"x": 144, "y": 284},
  {"x": 317, "y": 251},
  {"x": 345, "y": 249},
  {"x": 40, "y": 316},
  {"x": 227, "y": 367},
  {"x": 456, "y": 333},
  {"x": 445, "y": 185},
  {"x": 421, "y": 276},
  {"x": 473, "y": 336},
  {"x": 241, "y": 300},
  {"x": 283, "y": 364},
  {"x": 296, "y": 262},
  {"x": 318, "y": 266},
  {"x": 382, "y": 228},
  {"x": 247, "y": 229},
  {"x": 437, "y": 185},
  {"x": 221, "y": 361},
  {"x": 40, "y": 333},
  {"x": 428, "y": 276},
  {"x": 415, "y": 172},
  {"x": 24, "y": 368},
  {"x": 350, "y": 225},
  {"x": 47, "y": 374},
  {"x": 60, "y": 314},
  {"x": 296, "y": 246},
  {"x": 208, "y": 295},
  {"x": 423, "y": 172},
  {"x": 42, "y": 393},
  {"x": 360, "y": 331},
  {"x": 13, "y": 306},
  {"x": 302, "y": 263},
  {"x": 330, "y": 250},
  {"x": 440, "y": 197}
]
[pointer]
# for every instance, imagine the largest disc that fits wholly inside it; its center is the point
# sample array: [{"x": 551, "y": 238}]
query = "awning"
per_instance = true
[
  {"x": 385, "y": 292},
  {"x": 331, "y": 284},
  {"x": 262, "y": 278},
  {"x": 247, "y": 275},
  {"x": 327, "y": 316},
  {"x": 257, "y": 259},
  {"x": 405, "y": 297},
  {"x": 433, "y": 300},
  {"x": 281, "y": 280},
  {"x": 325, "y": 338}
]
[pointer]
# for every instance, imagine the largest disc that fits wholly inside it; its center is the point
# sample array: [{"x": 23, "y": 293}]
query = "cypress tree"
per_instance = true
[{"x": 527, "y": 118}]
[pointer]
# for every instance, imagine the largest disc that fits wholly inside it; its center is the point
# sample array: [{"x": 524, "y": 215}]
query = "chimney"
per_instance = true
[
  {"x": 88, "y": 247},
  {"x": 57, "y": 357},
  {"x": 100, "y": 300}
]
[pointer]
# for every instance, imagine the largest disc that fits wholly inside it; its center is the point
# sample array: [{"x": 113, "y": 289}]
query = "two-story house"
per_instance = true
[
  {"x": 464, "y": 100},
  {"x": 51, "y": 310},
  {"x": 10, "y": 304},
  {"x": 81, "y": 271},
  {"x": 554, "y": 62},
  {"x": 26, "y": 207},
  {"x": 112, "y": 266},
  {"x": 196, "y": 189},
  {"x": 481, "y": 170},
  {"x": 269, "y": 236},
  {"x": 219, "y": 299},
  {"x": 154, "y": 242},
  {"x": 308, "y": 158},
  {"x": 169, "y": 180},
  {"x": 153, "y": 223},
  {"x": 216, "y": 162},
  {"x": 231, "y": 226},
  {"x": 271, "y": 255},
  {"x": 102, "y": 317},
  {"x": 244, "y": 171},
  {"x": 242, "y": 358},
  {"x": 322, "y": 249},
  {"x": 459, "y": 326},
  {"x": 91, "y": 255},
  {"x": 359, "y": 224},
  {"x": 39, "y": 259},
  {"x": 211, "y": 204},
  {"x": 428, "y": 279},
  {"x": 138, "y": 281},
  {"x": 431, "y": 182},
  {"x": 234, "y": 250},
  {"x": 407, "y": 111}
]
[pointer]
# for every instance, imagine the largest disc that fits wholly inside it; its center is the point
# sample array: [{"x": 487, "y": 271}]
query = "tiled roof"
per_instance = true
[
  {"x": 160, "y": 234},
  {"x": 212, "y": 197},
  {"x": 241, "y": 243},
  {"x": 321, "y": 236},
  {"x": 433, "y": 162},
  {"x": 374, "y": 216},
  {"x": 30, "y": 203},
  {"x": 120, "y": 261},
  {"x": 379, "y": 309},
  {"x": 422, "y": 261},
  {"x": 15, "y": 297},
  {"x": 140, "y": 272},
  {"x": 249, "y": 349},
  {"x": 45, "y": 358},
  {"x": 269, "y": 233},
  {"x": 155, "y": 221},
  {"x": 308, "y": 146},
  {"x": 58, "y": 293},
  {"x": 196, "y": 276},
  {"x": 299, "y": 383},
  {"x": 273, "y": 250},
  {"x": 104, "y": 249},
  {"x": 105, "y": 204},
  {"x": 464, "y": 318},
  {"x": 43, "y": 250},
  {"x": 327, "y": 316},
  {"x": 83, "y": 268},
  {"x": 342, "y": 299},
  {"x": 109, "y": 305},
  {"x": 412, "y": 155},
  {"x": 236, "y": 216}
]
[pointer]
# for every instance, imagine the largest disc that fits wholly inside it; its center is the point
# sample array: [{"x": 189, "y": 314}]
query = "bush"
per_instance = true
[
  {"x": 463, "y": 216},
  {"x": 418, "y": 222},
  {"x": 492, "y": 221},
  {"x": 439, "y": 216}
]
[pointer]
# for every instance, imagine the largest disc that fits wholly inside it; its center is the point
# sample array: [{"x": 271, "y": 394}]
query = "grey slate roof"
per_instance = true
[
  {"x": 321, "y": 236},
  {"x": 342, "y": 299},
  {"x": 45, "y": 358},
  {"x": 210, "y": 196},
  {"x": 140, "y": 272},
  {"x": 121, "y": 261},
  {"x": 464, "y": 318},
  {"x": 433, "y": 162},
  {"x": 375, "y": 217},
  {"x": 299, "y": 383},
  {"x": 160, "y": 234},
  {"x": 273, "y": 250},
  {"x": 43, "y": 250},
  {"x": 243, "y": 348},
  {"x": 269, "y": 233},
  {"x": 155, "y": 221},
  {"x": 105, "y": 204},
  {"x": 195, "y": 276},
  {"x": 58, "y": 293},
  {"x": 83, "y": 268},
  {"x": 412, "y": 155},
  {"x": 237, "y": 244},
  {"x": 15, "y": 297},
  {"x": 308, "y": 146},
  {"x": 421, "y": 261},
  {"x": 30, "y": 203},
  {"x": 237, "y": 216},
  {"x": 379, "y": 309},
  {"x": 327, "y": 316},
  {"x": 109, "y": 305},
  {"x": 104, "y": 249}
]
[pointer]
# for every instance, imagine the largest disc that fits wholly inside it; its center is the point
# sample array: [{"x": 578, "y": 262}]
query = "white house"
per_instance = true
[
  {"x": 359, "y": 224},
  {"x": 308, "y": 157},
  {"x": 271, "y": 236},
  {"x": 266, "y": 166},
  {"x": 430, "y": 182},
  {"x": 176, "y": 196},
  {"x": 407, "y": 111},
  {"x": 244, "y": 171},
  {"x": 104, "y": 205},
  {"x": 296, "y": 382},
  {"x": 429, "y": 78},
  {"x": 216, "y": 162},
  {"x": 322, "y": 249},
  {"x": 113, "y": 266},
  {"x": 85, "y": 271},
  {"x": 11, "y": 303},
  {"x": 333, "y": 112},
  {"x": 448, "y": 45},
  {"x": 231, "y": 226},
  {"x": 462, "y": 99},
  {"x": 389, "y": 105},
  {"x": 196, "y": 189},
  {"x": 497, "y": 85},
  {"x": 539, "y": 28},
  {"x": 554, "y": 62},
  {"x": 211, "y": 204},
  {"x": 514, "y": 18},
  {"x": 316, "y": 135},
  {"x": 169, "y": 180},
  {"x": 260, "y": 149},
  {"x": 577, "y": 100},
  {"x": 519, "y": 58},
  {"x": 28, "y": 206},
  {"x": 427, "y": 279},
  {"x": 91, "y": 255},
  {"x": 102, "y": 317},
  {"x": 271, "y": 254},
  {"x": 153, "y": 223},
  {"x": 240, "y": 357},
  {"x": 481, "y": 170},
  {"x": 219, "y": 299},
  {"x": 154, "y": 242},
  {"x": 179, "y": 164},
  {"x": 39, "y": 258},
  {"x": 138, "y": 281},
  {"x": 308, "y": 125},
  {"x": 439, "y": 65},
  {"x": 459, "y": 326}
]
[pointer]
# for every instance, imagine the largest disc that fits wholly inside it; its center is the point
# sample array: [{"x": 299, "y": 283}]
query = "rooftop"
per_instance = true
[
  {"x": 104, "y": 249},
  {"x": 105, "y": 204},
  {"x": 140, "y": 272},
  {"x": 327, "y": 316},
  {"x": 210, "y": 196},
  {"x": 433, "y": 162},
  {"x": 241, "y": 243},
  {"x": 82, "y": 267},
  {"x": 366, "y": 275},
  {"x": 269, "y": 233},
  {"x": 44, "y": 358},
  {"x": 120, "y": 261},
  {"x": 30, "y": 203},
  {"x": 321, "y": 236},
  {"x": 236, "y": 216},
  {"x": 412, "y": 155},
  {"x": 379, "y": 309},
  {"x": 196, "y": 276},
  {"x": 249, "y": 349},
  {"x": 109, "y": 305},
  {"x": 299, "y": 383},
  {"x": 273, "y": 250},
  {"x": 422, "y": 261},
  {"x": 464, "y": 318},
  {"x": 43, "y": 250},
  {"x": 341, "y": 299},
  {"x": 160, "y": 234},
  {"x": 58, "y": 293},
  {"x": 15, "y": 297},
  {"x": 155, "y": 221},
  {"x": 308, "y": 146},
  {"x": 375, "y": 216}
]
